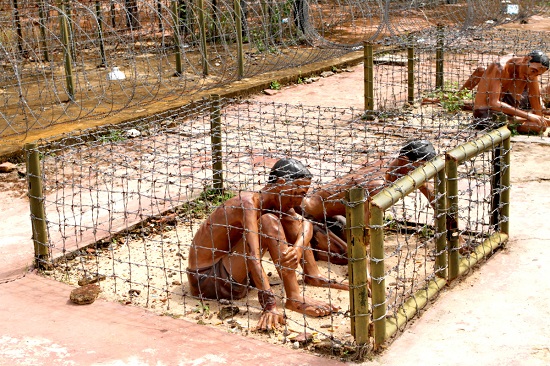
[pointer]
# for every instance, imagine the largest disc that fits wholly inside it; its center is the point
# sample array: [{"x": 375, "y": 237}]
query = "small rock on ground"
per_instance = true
[
  {"x": 7, "y": 167},
  {"x": 270, "y": 91},
  {"x": 85, "y": 295}
]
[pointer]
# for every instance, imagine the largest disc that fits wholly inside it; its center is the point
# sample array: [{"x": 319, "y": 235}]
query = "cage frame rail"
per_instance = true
[{"x": 448, "y": 265}]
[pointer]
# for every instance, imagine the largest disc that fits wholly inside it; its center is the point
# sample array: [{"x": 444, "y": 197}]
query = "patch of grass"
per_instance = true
[
  {"x": 112, "y": 136},
  {"x": 513, "y": 127},
  {"x": 275, "y": 85},
  {"x": 207, "y": 201},
  {"x": 203, "y": 309},
  {"x": 389, "y": 222},
  {"x": 257, "y": 38},
  {"x": 450, "y": 98}
]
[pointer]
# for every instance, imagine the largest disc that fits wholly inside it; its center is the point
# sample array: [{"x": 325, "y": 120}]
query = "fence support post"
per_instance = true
[
  {"x": 357, "y": 265},
  {"x": 496, "y": 180},
  {"x": 216, "y": 141},
  {"x": 70, "y": 25},
  {"x": 159, "y": 14},
  {"x": 202, "y": 31},
  {"x": 368, "y": 65},
  {"x": 441, "y": 224},
  {"x": 216, "y": 27},
  {"x": 36, "y": 202},
  {"x": 18, "y": 31},
  {"x": 266, "y": 19},
  {"x": 100, "y": 33},
  {"x": 505, "y": 196},
  {"x": 42, "y": 17},
  {"x": 439, "y": 57},
  {"x": 239, "y": 26},
  {"x": 177, "y": 41},
  {"x": 451, "y": 170},
  {"x": 112, "y": 14},
  {"x": 495, "y": 187},
  {"x": 378, "y": 282},
  {"x": 410, "y": 75},
  {"x": 67, "y": 53}
]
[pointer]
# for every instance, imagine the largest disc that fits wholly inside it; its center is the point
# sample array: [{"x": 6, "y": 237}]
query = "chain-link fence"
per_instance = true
[
  {"x": 59, "y": 58},
  {"x": 123, "y": 206}
]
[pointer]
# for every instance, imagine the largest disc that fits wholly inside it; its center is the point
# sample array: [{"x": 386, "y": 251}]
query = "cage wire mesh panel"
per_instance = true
[
  {"x": 123, "y": 205},
  {"x": 56, "y": 56},
  {"x": 410, "y": 234},
  {"x": 462, "y": 53}
]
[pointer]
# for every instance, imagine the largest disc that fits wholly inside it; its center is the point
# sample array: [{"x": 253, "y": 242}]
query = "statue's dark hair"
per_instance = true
[
  {"x": 539, "y": 57},
  {"x": 288, "y": 169},
  {"x": 418, "y": 150}
]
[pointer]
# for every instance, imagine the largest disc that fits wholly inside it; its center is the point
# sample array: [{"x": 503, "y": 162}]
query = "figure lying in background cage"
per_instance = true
[
  {"x": 511, "y": 85},
  {"x": 225, "y": 254},
  {"x": 325, "y": 205}
]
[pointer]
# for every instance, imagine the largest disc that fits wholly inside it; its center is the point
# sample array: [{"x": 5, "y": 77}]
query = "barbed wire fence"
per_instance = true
[
  {"x": 58, "y": 57},
  {"x": 122, "y": 205}
]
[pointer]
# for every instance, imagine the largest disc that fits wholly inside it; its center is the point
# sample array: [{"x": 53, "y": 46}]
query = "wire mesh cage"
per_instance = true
[{"x": 124, "y": 206}]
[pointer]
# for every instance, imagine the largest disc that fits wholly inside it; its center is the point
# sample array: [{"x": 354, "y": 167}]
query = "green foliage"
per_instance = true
[
  {"x": 280, "y": 12},
  {"x": 275, "y": 85},
  {"x": 257, "y": 38},
  {"x": 220, "y": 26},
  {"x": 207, "y": 201},
  {"x": 450, "y": 98},
  {"x": 389, "y": 222},
  {"x": 513, "y": 127},
  {"x": 202, "y": 308},
  {"x": 258, "y": 42},
  {"x": 300, "y": 78},
  {"x": 214, "y": 197},
  {"x": 426, "y": 232},
  {"x": 112, "y": 136}
]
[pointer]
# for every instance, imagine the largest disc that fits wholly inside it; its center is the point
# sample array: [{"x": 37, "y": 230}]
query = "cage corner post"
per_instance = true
[
  {"x": 505, "y": 197},
  {"x": 378, "y": 282},
  {"x": 357, "y": 266},
  {"x": 441, "y": 225},
  {"x": 497, "y": 184},
  {"x": 451, "y": 172},
  {"x": 36, "y": 203}
]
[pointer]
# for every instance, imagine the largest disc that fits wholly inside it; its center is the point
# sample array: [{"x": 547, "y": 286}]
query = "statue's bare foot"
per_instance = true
[
  {"x": 325, "y": 282},
  {"x": 310, "y": 307}
]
